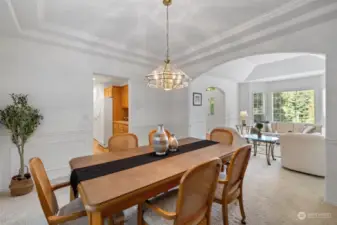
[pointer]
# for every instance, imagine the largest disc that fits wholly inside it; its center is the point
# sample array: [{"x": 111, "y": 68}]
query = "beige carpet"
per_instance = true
[{"x": 272, "y": 195}]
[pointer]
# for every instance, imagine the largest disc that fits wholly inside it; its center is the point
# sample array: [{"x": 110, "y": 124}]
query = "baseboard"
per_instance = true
[{"x": 330, "y": 202}]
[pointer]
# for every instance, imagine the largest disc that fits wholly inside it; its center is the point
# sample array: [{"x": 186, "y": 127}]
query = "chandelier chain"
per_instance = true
[
  {"x": 167, "y": 76},
  {"x": 167, "y": 34}
]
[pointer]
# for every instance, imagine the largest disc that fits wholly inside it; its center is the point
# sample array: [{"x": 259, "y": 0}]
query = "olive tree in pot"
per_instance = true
[{"x": 21, "y": 120}]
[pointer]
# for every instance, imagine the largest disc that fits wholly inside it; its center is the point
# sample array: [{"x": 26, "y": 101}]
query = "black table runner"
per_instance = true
[{"x": 99, "y": 170}]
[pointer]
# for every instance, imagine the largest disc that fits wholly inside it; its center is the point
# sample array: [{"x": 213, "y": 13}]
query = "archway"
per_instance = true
[{"x": 215, "y": 108}]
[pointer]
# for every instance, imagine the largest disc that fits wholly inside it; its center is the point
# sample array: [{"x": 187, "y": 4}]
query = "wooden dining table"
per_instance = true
[{"x": 112, "y": 193}]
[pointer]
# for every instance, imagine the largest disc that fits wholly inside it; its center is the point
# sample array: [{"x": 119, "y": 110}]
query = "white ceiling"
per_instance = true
[
  {"x": 302, "y": 65},
  {"x": 271, "y": 67},
  {"x": 134, "y": 30},
  {"x": 269, "y": 58},
  {"x": 138, "y": 25}
]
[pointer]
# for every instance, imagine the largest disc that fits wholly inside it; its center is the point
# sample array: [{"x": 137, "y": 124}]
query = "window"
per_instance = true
[
  {"x": 294, "y": 106},
  {"x": 258, "y": 106},
  {"x": 211, "y": 106}
]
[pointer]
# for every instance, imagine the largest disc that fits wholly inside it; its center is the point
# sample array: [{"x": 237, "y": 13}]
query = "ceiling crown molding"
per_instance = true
[
  {"x": 85, "y": 37},
  {"x": 229, "y": 41},
  {"x": 327, "y": 9},
  {"x": 282, "y": 10},
  {"x": 59, "y": 36}
]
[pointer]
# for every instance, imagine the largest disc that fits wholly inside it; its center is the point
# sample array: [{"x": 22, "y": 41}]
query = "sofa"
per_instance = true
[
  {"x": 280, "y": 128},
  {"x": 303, "y": 152}
]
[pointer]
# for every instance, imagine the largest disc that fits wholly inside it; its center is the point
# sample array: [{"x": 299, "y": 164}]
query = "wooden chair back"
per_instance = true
[
  {"x": 237, "y": 169},
  {"x": 44, "y": 189},
  {"x": 222, "y": 135},
  {"x": 196, "y": 193},
  {"x": 152, "y": 132},
  {"x": 123, "y": 141}
]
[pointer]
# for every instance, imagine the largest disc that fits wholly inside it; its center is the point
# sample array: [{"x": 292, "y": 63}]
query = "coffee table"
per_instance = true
[{"x": 270, "y": 144}]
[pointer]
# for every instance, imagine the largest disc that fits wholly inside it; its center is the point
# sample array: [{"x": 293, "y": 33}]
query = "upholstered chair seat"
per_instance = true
[
  {"x": 229, "y": 186},
  {"x": 71, "y": 214},
  {"x": 190, "y": 204},
  {"x": 166, "y": 201},
  {"x": 232, "y": 194},
  {"x": 77, "y": 206}
]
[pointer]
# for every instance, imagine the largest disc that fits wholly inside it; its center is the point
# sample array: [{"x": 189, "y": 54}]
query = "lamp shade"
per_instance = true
[{"x": 243, "y": 113}]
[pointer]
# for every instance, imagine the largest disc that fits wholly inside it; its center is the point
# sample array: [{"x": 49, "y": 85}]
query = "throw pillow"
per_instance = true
[
  {"x": 268, "y": 127},
  {"x": 308, "y": 129}
]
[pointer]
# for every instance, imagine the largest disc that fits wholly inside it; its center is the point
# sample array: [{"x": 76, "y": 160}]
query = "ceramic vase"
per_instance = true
[
  {"x": 173, "y": 143},
  {"x": 160, "y": 141}
]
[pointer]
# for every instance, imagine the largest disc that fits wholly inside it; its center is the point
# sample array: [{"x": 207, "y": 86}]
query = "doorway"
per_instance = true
[
  {"x": 216, "y": 108},
  {"x": 110, "y": 107}
]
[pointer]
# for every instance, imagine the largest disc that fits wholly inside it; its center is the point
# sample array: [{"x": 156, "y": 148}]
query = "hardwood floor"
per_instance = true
[{"x": 97, "y": 148}]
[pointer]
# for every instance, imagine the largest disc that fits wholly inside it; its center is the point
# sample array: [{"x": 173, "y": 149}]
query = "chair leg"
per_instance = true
[
  {"x": 242, "y": 210},
  {"x": 71, "y": 194},
  {"x": 225, "y": 214},
  {"x": 119, "y": 223},
  {"x": 110, "y": 220},
  {"x": 140, "y": 214}
]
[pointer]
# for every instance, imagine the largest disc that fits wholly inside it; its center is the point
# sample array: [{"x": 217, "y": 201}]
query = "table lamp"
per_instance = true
[{"x": 243, "y": 115}]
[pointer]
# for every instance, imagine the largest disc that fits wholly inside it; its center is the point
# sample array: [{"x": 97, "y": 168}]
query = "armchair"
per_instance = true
[{"x": 303, "y": 153}]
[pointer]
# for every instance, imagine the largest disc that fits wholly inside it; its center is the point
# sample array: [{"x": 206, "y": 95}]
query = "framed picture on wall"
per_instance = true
[{"x": 197, "y": 99}]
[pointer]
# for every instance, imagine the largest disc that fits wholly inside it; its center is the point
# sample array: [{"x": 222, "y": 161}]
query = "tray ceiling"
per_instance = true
[{"x": 134, "y": 30}]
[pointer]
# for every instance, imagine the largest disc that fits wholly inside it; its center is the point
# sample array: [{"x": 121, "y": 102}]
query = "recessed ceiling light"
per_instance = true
[{"x": 93, "y": 78}]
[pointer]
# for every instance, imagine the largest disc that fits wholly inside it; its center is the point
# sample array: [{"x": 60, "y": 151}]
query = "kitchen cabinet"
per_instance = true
[
  {"x": 125, "y": 96},
  {"x": 120, "y": 95},
  {"x": 108, "y": 92},
  {"x": 120, "y": 127}
]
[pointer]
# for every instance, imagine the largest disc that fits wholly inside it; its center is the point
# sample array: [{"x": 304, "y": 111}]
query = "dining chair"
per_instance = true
[
  {"x": 191, "y": 203},
  {"x": 123, "y": 142},
  {"x": 71, "y": 214},
  {"x": 152, "y": 132},
  {"x": 230, "y": 188},
  {"x": 222, "y": 135}
]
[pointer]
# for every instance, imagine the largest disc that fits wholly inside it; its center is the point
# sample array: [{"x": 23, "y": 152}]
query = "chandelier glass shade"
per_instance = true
[{"x": 167, "y": 76}]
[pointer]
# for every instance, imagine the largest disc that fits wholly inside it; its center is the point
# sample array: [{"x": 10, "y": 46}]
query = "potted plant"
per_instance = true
[
  {"x": 21, "y": 120},
  {"x": 259, "y": 126}
]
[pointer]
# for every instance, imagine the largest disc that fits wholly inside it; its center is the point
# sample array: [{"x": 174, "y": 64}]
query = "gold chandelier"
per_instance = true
[{"x": 167, "y": 76}]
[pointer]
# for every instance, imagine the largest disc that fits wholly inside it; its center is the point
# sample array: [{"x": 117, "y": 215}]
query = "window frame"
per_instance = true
[
  {"x": 282, "y": 120},
  {"x": 262, "y": 100}
]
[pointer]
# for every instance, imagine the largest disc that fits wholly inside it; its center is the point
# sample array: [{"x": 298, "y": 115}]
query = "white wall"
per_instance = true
[
  {"x": 98, "y": 113},
  {"x": 315, "y": 83},
  {"x": 148, "y": 108},
  {"x": 59, "y": 83},
  {"x": 198, "y": 114},
  {"x": 179, "y": 112},
  {"x": 331, "y": 126}
]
